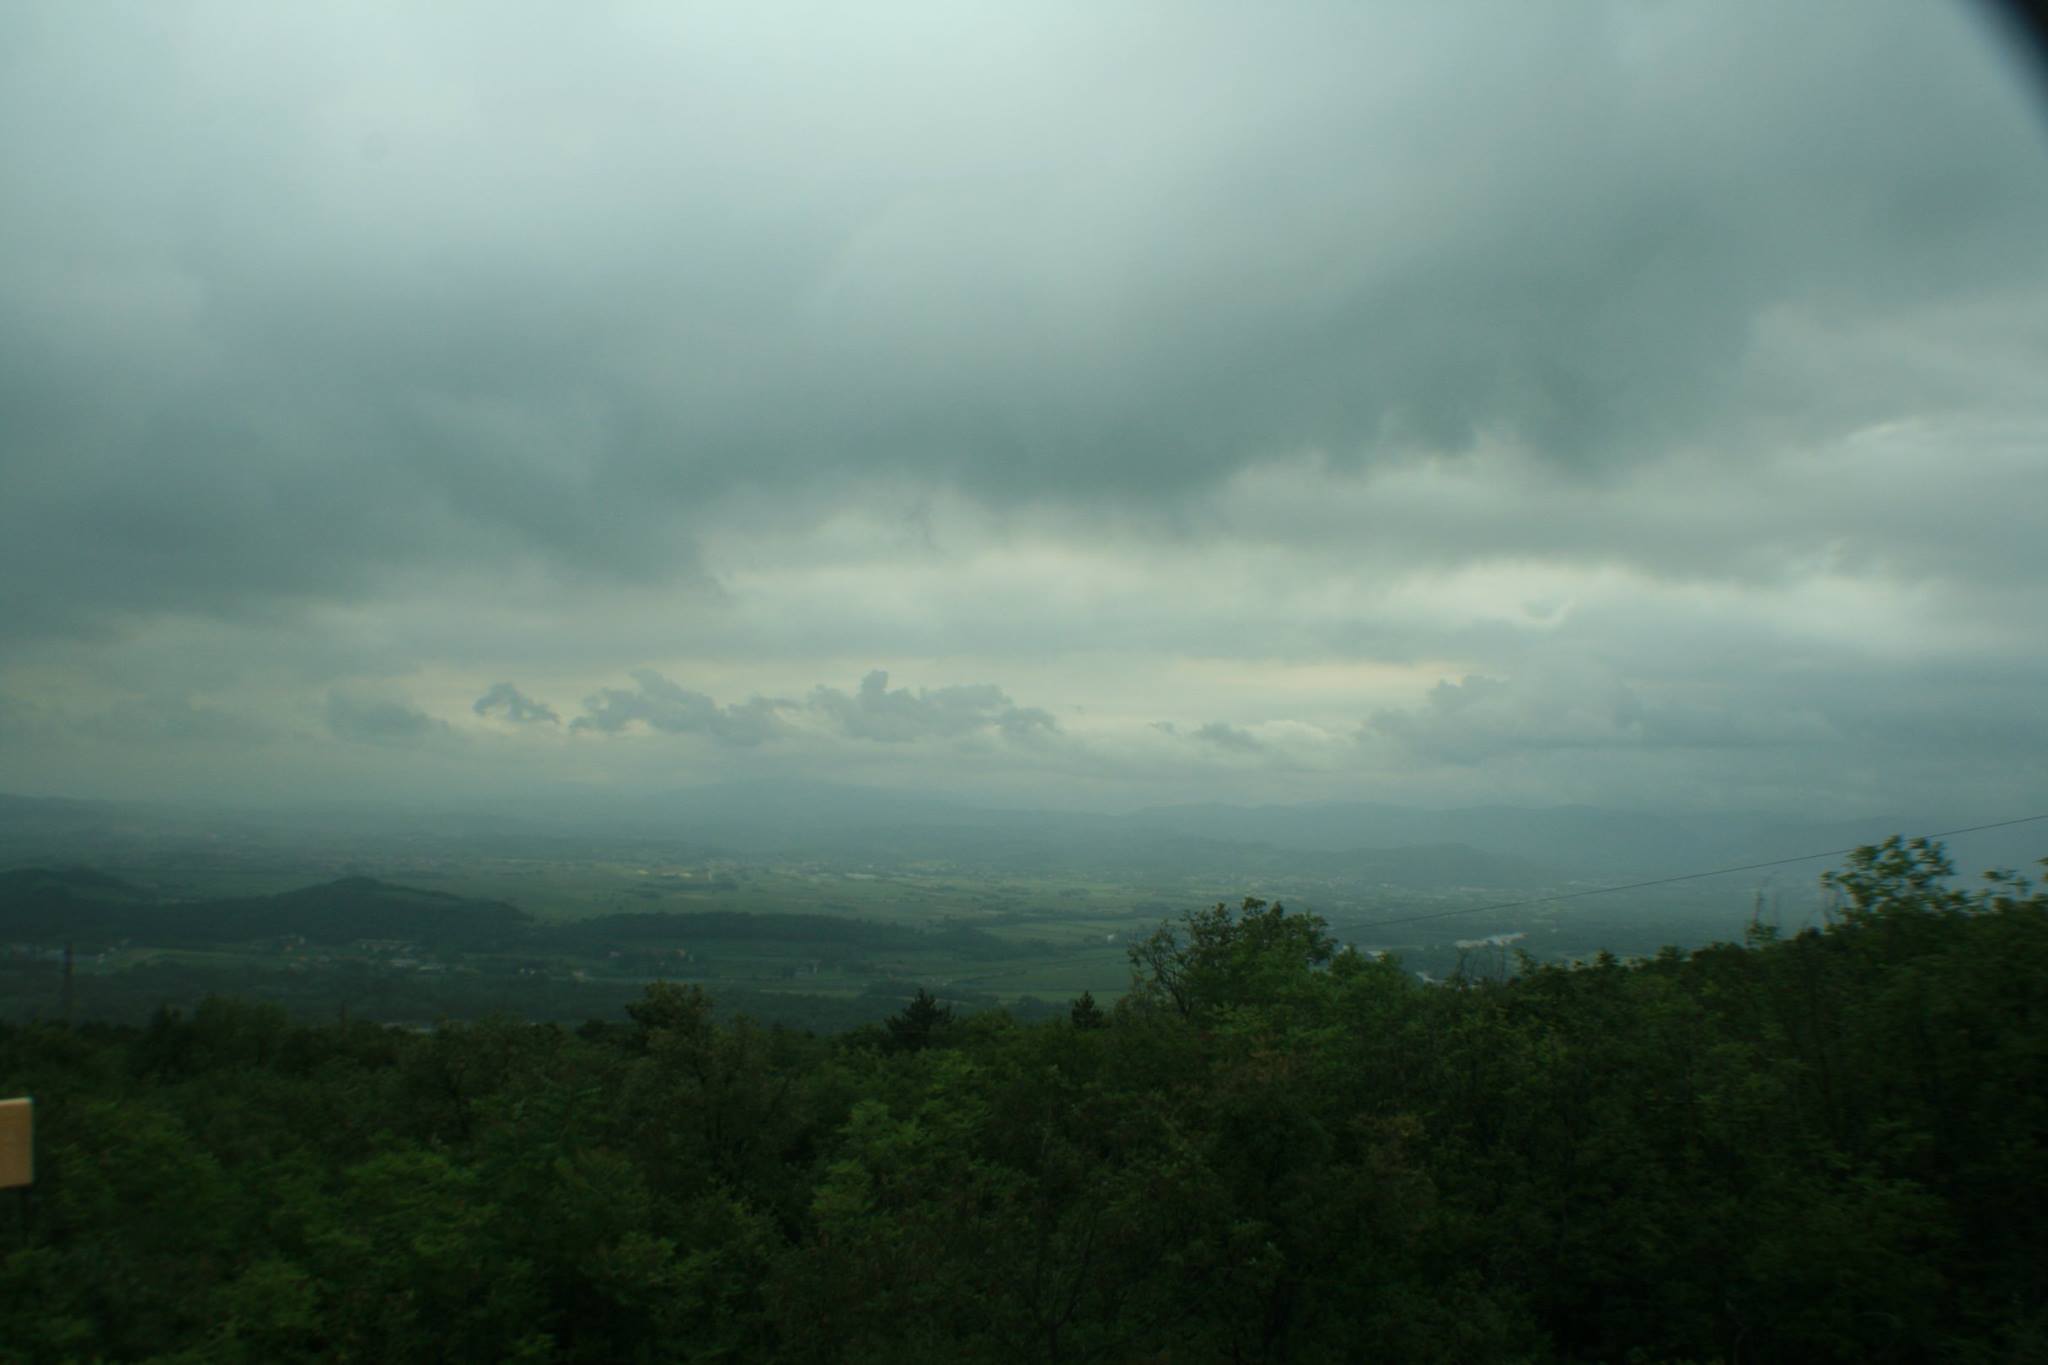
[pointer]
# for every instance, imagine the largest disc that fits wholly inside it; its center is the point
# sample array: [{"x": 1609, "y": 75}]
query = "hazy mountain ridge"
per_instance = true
[{"x": 1495, "y": 845}]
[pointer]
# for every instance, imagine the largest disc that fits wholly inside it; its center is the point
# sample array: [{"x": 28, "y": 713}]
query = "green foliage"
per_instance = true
[
  {"x": 1085, "y": 1013},
  {"x": 921, "y": 1023},
  {"x": 37, "y": 904},
  {"x": 1825, "y": 1147},
  {"x": 1216, "y": 958}
]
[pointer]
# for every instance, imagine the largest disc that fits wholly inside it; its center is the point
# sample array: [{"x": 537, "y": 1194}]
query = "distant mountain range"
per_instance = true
[
  {"x": 1496, "y": 846},
  {"x": 1500, "y": 844}
]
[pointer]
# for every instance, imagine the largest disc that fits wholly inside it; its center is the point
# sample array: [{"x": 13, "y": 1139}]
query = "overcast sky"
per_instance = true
[{"x": 1096, "y": 404}]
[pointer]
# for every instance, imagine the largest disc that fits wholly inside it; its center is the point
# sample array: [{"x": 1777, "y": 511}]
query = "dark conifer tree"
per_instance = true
[{"x": 918, "y": 1024}]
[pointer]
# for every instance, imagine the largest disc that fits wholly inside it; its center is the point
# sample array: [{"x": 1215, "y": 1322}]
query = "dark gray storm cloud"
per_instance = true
[
  {"x": 1658, "y": 383},
  {"x": 515, "y": 706},
  {"x": 299, "y": 299}
]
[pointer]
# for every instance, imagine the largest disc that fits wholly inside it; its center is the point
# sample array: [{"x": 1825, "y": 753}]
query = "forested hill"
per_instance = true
[
  {"x": 823, "y": 932},
  {"x": 1829, "y": 1147},
  {"x": 41, "y": 905},
  {"x": 44, "y": 905}
]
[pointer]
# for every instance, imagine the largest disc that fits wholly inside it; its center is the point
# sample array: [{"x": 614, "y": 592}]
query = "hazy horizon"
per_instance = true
[{"x": 1058, "y": 406}]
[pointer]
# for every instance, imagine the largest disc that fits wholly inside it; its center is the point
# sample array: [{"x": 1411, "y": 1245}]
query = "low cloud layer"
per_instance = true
[
  {"x": 873, "y": 712},
  {"x": 662, "y": 706},
  {"x": 378, "y": 720},
  {"x": 1228, "y": 737},
  {"x": 515, "y": 706},
  {"x": 902, "y": 715}
]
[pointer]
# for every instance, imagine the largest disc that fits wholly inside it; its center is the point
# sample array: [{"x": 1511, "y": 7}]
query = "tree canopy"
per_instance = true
[{"x": 1818, "y": 1147}]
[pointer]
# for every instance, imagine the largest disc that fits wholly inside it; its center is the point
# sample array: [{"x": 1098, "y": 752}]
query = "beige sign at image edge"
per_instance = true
[{"x": 17, "y": 1143}]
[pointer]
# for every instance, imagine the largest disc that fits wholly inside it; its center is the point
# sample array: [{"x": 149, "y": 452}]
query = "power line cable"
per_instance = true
[{"x": 1682, "y": 877}]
